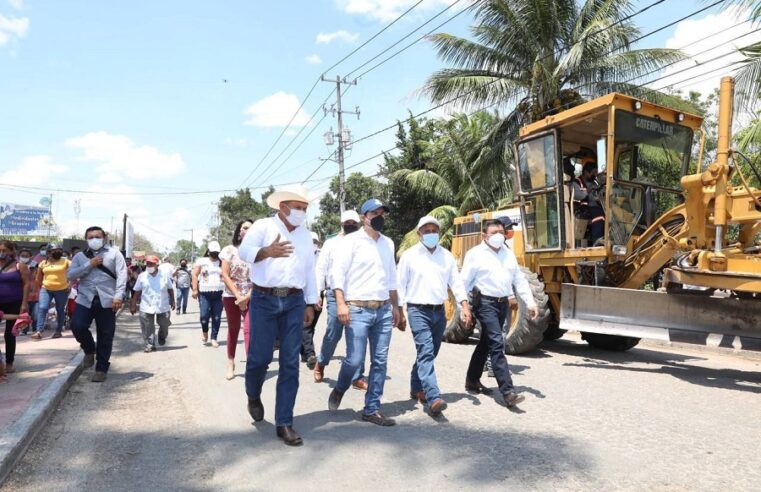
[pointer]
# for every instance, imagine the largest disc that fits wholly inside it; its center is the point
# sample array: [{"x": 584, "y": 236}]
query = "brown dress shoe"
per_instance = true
[
  {"x": 360, "y": 384},
  {"x": 289, "y": 436},
  {"x": 513, "y": 398},
  {"x": 98, "y": 377},
  {"x": 319, "y": 372},
  {"x": 334, "y": 401},
  {"x": 419, "y": 396},
  {"x": 378, "y": 418},
  {"x": 437, "y": 406},
  {"x": 88, "y": 361},
  {"x": 476, "y": 387}
]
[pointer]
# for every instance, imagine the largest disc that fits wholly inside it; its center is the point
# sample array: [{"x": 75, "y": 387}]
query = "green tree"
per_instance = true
[
  {"x": 358, "y": 189},
  {"x": 183, "y": 248},
  {"x": 233, "y": 209},
  {"x": 542, "y": 58}
]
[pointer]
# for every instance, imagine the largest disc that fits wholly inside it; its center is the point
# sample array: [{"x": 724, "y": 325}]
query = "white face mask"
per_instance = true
[
  {"x": 496, "y": 240},
  {"x": 296, "y": 217},
  {"x": 25, "y": 259},
  {"x": 151, "y": 270},
  {"x": 95, "y": 243}
]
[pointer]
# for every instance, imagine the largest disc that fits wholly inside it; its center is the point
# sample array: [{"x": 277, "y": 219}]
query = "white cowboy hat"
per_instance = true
[{"x": 296, "y": 193}]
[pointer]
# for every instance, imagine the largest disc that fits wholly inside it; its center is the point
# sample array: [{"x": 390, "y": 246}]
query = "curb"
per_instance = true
[{"x": 16, "y": 440}]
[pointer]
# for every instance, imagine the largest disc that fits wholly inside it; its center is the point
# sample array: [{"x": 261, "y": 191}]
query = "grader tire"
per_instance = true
[
  {"x": 553, "y": 332},
  {"x": 525, "y": 334},
  {"x": 614, "y": 343}
]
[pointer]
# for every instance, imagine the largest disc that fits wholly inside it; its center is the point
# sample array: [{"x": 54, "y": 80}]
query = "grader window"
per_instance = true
[{"x": 537, "y": 161}]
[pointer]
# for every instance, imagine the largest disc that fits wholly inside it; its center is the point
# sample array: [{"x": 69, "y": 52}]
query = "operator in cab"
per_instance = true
[{"x": 587, "y": 198}]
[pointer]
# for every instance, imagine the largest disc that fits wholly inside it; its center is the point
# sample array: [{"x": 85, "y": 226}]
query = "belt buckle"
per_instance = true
[{"x": 280, "y": 291}]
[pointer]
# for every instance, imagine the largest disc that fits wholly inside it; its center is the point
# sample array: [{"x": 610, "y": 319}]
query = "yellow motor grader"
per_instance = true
[{"x": 680, "y": 257}]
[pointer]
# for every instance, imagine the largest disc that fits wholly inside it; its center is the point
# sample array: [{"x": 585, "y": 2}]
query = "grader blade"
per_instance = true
[{"x": 687, "y": 318}]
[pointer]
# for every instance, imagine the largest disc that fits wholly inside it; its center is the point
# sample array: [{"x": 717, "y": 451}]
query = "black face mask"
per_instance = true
[
  {"x": 377, "y": 223},
  {"x": 214, "y": 256},
  {"x": 183, "y": 265},
  {"x": 56, "y": 255},
  {"x": 349, "y": 228}
]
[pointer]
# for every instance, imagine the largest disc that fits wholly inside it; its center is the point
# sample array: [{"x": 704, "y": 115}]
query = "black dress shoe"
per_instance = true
[
  {"x": 476, "y": 387},
  {"x": 334, "y": 401},
  {"x": 289, "y": 436},
  {"x": 256, "y": 409}
]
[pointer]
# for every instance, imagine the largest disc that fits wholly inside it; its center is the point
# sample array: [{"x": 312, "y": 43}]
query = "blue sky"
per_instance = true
[{"x": 126, "y": 97}]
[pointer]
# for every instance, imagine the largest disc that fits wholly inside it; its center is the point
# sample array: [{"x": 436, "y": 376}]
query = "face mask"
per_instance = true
[
  {"x": 56, "y": 255},
  {"x": 214, "y": 255},
  {"x": 496, "y": 240},
  {"x": 349, "y": 228},
  {"x": 377, "y": 223},
  {"x": 43, "y": 253},
  {"x": 296, "y": 217},
  {"x": 430, "y": 240},
  {"x": 183, "y": 265},
  {"x": 151, "y": 270},
  {"x": 95, "y": 243},
  {"x": 4, "y": 256},
  {"x": 25, "y": 259}
]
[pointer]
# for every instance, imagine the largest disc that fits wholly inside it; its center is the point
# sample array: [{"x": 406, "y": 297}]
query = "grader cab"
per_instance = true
[{"x": 679, "y": 258}]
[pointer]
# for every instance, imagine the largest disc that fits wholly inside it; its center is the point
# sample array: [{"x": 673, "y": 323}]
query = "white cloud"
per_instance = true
[
  {"x": 109, "y": 177},
  {"x": 344, "y": 36},
  {"x": 238, "y": 142},
  {"x": 119, "y": 155},
  {"x": 695, "y": 33},
  {"x": 276, "y": 110},
  {"x": 314, "y": 59},
  {"x": 34, "y": 170},
  {"x": 17, "y": 4},
  {"x": 386, "y": 10},
  {"x": 12, "y": 28}
]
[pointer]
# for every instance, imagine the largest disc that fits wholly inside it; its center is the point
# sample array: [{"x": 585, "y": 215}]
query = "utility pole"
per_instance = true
[
  {"x": 50, "y": 216},
  {"x": 343, "y": 139},
  {"x": 77, "y": 211},
  {"x": 192, "y": 246},
  {"x": 124, "y": 235}
]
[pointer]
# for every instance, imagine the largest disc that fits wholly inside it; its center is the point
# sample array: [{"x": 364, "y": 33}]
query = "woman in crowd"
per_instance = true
[
  {"x": 14, "y": 288},
  {"x": 25, "y": 257},
  {"x": 51, "y": 278},
  {"x": 207, "y": 288},
  {"x": 182, "y": 279},
  {"x": 237, "y": 293}
]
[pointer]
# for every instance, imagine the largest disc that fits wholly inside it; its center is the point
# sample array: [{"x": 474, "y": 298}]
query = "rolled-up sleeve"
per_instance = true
[
  {"x": 253, "y": 241},
  {"x": 455, "y": 282}
]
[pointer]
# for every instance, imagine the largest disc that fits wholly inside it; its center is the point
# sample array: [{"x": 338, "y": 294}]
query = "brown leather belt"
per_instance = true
[
  {"x": 277, "y": 291},
  {"x": 368, "y": 304}
]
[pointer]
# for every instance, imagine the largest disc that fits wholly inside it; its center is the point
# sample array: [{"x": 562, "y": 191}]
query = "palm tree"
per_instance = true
[{"x": 540, "y": 57}]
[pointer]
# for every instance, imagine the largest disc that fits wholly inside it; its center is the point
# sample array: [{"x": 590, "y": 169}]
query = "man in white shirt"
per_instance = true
[
  {"x": 492, "y": 270},
  {"x": 281, "y": 255},
  {"x": 334, "y": 329},
  {"x": 154, "y": 292},
  {"x": 424, "y": 273},
  {"x": 307, "y": 335},
  {"x": 364, "y": 283}
]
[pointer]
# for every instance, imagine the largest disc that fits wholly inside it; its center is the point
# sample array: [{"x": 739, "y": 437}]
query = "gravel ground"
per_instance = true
[{"x": 653, "y": 418}]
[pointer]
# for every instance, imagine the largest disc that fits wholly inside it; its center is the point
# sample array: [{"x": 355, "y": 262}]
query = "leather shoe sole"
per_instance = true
[
  {"x": 360, "y": 384},
  {"x": 256, "y": 410},
  {"x": 437, "y": 406},
  {"x": 319, "y": 373},
  {"x": 334, "y": 401},
  {"x": 512, "y": 399},
  {"x": 289, "y": 436},
  {"x": 378, "y": 418}
]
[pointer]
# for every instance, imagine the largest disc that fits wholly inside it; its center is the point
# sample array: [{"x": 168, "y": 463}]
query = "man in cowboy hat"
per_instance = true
[{"x": 281, "y": 254}]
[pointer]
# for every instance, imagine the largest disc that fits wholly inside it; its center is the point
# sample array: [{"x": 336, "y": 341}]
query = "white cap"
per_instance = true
[
  {"x": 350, "y": 215},
  {"x": 213, "y": 247},
  {"x": 428, "y": 219},
  {"x": 315, "y": 236}
]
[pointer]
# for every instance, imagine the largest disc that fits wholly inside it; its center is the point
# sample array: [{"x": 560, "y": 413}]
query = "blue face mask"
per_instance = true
[{"x": 431, "y": 240}]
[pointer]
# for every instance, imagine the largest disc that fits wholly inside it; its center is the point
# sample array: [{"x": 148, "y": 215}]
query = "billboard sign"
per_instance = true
[{"x": 23, "y": 220}]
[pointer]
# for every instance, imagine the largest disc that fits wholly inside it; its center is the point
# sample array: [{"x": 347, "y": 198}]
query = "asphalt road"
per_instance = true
[{"x": 656, "y": 419}]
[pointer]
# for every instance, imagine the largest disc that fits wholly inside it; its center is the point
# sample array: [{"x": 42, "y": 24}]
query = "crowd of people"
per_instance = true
[{"x": 272, "y": 281}]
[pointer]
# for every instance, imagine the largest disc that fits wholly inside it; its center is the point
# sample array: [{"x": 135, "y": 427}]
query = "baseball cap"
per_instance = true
[
  {"x": 53, "y": 246},
  {"x": 372, "y": 204},
  {"x": 214, "y": 247},
  {"x": 428, "y": 219},
  {"x": 349, "y": 215},
  {"x": 152, "y": 259},
  {"x": 507, "y": 221}
]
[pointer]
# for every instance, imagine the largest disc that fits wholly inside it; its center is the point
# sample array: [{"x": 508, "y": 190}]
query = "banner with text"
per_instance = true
[{"x": 24, "y": 220}]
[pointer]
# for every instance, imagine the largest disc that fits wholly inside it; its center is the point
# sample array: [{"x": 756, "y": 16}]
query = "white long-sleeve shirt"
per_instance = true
[
  {"x": 325, "y": 262},
  {"x": 423, "y": 277},
  {"x": 495, "y": 273},
  {"x": 295, "y": 271},
  {"x": 364, "y": 268}
]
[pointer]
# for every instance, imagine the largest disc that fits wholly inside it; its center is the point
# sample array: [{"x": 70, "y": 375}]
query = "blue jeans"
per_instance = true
[
  {"x": 60, "y": 297},
  {"x": 271, "y": 317},
  {"x": 373, "y": 325},
  {"x": 333, "y": 334},
  {"x": 105, "y": 326},
  {"x": 182, "y": 299},
  {"x": 492, "y": 315},
  {"x": 427, "y": 326},
  {"x": 211, "y": 308}
]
